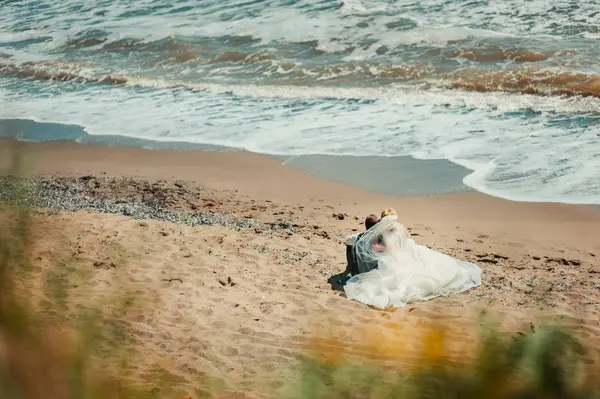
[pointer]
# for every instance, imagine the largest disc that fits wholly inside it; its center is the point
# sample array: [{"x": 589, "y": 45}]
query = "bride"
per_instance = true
[{"x": 402, "y": 271}]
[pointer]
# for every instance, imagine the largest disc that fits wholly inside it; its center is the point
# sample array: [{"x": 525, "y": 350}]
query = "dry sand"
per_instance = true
[{"x": 241, "y": 303}]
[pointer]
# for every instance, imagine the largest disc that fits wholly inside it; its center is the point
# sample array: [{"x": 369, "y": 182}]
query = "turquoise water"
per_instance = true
[{"x": 508, "y": 90}]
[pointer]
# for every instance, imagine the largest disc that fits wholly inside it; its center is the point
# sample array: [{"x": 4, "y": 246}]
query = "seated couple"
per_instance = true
[
  {"x": 386, "y": 267},
  {"x": 355, "y": 267}
]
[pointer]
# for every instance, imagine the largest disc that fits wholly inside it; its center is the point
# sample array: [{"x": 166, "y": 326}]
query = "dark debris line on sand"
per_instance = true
[{"x": 137, "y": 199}]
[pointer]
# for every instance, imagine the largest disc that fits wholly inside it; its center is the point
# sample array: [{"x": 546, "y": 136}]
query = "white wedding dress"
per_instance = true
[{"x": 406, "y": 271}]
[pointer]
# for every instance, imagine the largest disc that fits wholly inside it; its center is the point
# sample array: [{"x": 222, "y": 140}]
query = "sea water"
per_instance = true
[{"x": 509, "y": 90}]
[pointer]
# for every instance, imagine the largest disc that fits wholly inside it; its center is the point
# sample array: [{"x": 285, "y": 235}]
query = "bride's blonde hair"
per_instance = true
[{"x": 387, "y": 212}]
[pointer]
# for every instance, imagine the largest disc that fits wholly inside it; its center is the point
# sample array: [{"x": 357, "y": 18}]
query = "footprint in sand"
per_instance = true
[
  {"x": 230, "y": 351},
  {"x": 295, "y": 300},
  {"x": 267, "y": 307},
  {"x": 299, "y": 312}
]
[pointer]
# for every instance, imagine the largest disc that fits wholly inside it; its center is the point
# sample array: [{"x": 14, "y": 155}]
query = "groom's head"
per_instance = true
[{"x": 371, "y": 221}]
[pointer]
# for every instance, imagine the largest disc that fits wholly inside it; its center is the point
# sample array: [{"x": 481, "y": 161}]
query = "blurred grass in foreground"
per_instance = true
[
  {"x": 83, "y": 352},
  {"x": 428, "y": 361},
  {"x": 51, "y": 347}
]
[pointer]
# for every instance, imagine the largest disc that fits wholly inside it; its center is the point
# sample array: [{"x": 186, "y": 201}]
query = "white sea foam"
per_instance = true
[
  {"x": 400, "y": 95},
  {"x": 524, "y": 159}
]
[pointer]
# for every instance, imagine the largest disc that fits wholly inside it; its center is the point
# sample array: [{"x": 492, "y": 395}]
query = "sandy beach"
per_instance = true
[{"x": 236, "y": 264}]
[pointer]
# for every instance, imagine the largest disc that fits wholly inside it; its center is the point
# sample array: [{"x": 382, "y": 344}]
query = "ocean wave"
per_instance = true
[
  {"x": 528, "y": 80},
  {"x": 212, "y": 49},
  {"x": 32, "y": 70},
  {"x": 327, "y": 22}
]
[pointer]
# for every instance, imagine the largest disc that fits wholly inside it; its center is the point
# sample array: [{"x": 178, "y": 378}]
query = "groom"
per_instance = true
[{"x": 352, "y": 268}]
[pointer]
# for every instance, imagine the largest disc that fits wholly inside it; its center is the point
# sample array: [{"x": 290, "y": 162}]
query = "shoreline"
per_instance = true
[
  {"x": 392, "y": 175},
  {"x": 310, "y": 166},
  {"x": 373, "y": 173}
]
